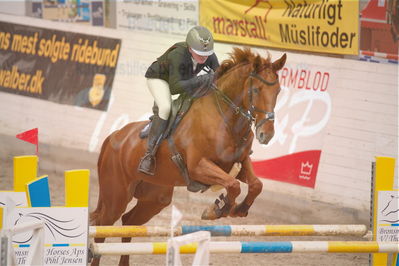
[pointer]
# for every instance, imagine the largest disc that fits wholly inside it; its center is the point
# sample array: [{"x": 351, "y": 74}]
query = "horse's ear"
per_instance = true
[
  {"x": 257, "y": 64},
  {"x": 278, "y": 64}
]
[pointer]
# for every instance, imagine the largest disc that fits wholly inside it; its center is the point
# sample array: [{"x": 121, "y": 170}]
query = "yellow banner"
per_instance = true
[{"x": 328, "y": 26}]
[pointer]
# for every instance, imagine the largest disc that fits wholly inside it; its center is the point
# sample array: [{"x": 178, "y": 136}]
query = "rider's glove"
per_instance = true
[
  {"x": 198, "y": 86},
  {"x": 204, "y": 85}
]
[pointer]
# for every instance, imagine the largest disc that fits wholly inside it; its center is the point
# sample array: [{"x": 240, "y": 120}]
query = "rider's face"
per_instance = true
[{"x": 198, "y": 58}]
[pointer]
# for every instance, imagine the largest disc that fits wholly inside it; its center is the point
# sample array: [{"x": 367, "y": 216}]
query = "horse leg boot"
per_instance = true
[{"x": 147, "y": 163}]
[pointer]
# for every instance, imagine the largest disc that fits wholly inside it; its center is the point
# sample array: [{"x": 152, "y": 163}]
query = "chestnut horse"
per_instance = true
[{"x": 213, "y": 135}]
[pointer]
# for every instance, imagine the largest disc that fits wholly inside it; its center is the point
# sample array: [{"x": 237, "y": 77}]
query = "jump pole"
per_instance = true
[
  {"x": 250, "y": 247},
  {"x": 231, "y": 230}
]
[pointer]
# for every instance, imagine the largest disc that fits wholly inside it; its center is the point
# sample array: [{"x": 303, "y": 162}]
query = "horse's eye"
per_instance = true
[{"x": 256, "y": 90}]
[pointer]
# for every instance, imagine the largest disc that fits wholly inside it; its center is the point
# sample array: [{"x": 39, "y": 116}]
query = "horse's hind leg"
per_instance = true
[
  {"x": 255, "y": 186},
  {"x": 151, "y": 199}
]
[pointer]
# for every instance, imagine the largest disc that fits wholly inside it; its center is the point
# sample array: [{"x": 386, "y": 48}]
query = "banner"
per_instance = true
[
  {"x": 87, "y": 12},
  {"x": 327, "y": 26},
  {"x": 65, "y": 234},
  {"x": 162, "y": 16},
  {"x": 97, "y": 15},
  {"x": 67, "y": 11},
  {"x": 63, "y": 67}
]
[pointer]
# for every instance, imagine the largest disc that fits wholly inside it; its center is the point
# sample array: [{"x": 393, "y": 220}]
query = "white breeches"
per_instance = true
[{"x": 160, "y": 91}]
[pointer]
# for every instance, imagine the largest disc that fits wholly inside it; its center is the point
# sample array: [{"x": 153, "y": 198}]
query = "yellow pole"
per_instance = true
[
  {"x": 77, "y": 188},
  {"x": 25, "y": 170},
  {"x": 383, "y": 181}
]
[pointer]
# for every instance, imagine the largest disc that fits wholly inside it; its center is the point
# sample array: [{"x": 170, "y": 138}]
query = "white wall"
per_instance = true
[
  {"x": 15, "y": 7},
  {"x": 363, "y": 122}
]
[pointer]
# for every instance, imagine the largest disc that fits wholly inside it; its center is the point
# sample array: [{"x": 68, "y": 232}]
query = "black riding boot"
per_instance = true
[{"x": 147, "y": 163}]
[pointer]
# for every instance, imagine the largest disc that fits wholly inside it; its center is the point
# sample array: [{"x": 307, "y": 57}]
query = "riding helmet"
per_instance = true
[{"x": 200, "y": 40}]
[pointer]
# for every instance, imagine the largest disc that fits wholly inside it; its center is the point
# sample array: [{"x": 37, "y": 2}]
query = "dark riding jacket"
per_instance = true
[{"x": 175, "y": 66}]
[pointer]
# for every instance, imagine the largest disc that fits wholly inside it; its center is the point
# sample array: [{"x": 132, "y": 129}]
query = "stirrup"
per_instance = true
[{"x": 148, "y": 169}]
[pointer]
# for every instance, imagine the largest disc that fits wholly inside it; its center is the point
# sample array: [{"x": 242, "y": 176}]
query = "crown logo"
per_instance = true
[{"x": 306, "y": 168}]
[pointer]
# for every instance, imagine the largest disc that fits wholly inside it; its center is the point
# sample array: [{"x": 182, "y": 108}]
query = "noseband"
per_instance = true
[{"x": 249, "y": 113}]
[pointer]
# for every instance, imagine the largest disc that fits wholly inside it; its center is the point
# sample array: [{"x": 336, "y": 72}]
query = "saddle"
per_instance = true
[{"x": 180, "y": 107}]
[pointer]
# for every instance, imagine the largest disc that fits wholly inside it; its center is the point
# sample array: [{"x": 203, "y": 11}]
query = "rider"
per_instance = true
[{"x": 186, "y": 67}]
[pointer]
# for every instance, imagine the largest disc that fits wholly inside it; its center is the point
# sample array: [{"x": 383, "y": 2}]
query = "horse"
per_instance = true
[{"x": 215, "y": 134}]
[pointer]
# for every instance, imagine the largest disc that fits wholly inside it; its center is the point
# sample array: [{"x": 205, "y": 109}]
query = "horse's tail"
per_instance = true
[{"x": 94, "y": 215}]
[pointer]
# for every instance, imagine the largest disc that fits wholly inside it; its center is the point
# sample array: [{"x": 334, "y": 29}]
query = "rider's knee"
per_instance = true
[{"x": 164, "y": 111}]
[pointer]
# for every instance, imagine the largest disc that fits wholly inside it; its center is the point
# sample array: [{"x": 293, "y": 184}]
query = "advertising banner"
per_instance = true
[
  {"x": 388, "y": 216},
  {"x": 86, "y": 12},
  {"x": 18, "y": 197},
  {"x": 63, "y": 67},
  {"x": 65, "y": 234},
  {"x": 327, "y": 26},
  {"x": 303, "y": 111},
  {"x": 164, "y": 16},
  {"x": 68, "y": 11},
  {"x": 97, "y": 16}
]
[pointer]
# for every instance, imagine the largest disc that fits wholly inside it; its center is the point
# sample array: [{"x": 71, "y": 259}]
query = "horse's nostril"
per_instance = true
[{"x": 264, "y": 137}]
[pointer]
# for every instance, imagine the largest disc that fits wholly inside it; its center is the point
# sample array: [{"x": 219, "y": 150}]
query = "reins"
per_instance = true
[{"x": 237, "y": 109}]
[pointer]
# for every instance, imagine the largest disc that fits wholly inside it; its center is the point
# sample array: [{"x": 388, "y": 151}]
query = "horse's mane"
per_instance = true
[{"x": 243, "y": 56}]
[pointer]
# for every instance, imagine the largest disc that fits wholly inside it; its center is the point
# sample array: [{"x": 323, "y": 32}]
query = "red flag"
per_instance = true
[{"x": 30, "y": 136}]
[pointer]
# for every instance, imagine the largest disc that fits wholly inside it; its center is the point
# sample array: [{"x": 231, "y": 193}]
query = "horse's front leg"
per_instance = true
[
  {"x": 255, "y": 186},
  {"x": 209, "y": 173}
]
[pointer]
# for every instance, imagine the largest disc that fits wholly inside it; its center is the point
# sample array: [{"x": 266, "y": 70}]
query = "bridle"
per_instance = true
[
  {"x": 248, "y": 113},
  {"x": 253, "y": 108}
]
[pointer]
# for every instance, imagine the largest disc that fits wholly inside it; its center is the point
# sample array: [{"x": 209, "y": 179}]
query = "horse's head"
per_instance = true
[
  {"x": 252, "y": 83},
  {"x": 263, "y": 87}
]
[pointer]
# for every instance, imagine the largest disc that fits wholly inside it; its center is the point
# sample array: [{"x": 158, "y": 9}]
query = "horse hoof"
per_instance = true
[
  {"x": 209, "y": 214},
  {"x": 195, "y": 186}
]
